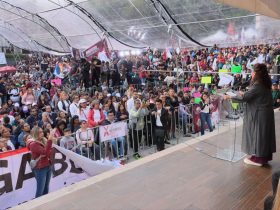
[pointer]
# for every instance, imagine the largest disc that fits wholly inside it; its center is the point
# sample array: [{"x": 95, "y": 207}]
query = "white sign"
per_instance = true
[
  {"x": 225, "y": 79},
  {"x": 113, "y": 131},
  {"x": 3, "y": 58},
  {"x": 17, "y": 182}
]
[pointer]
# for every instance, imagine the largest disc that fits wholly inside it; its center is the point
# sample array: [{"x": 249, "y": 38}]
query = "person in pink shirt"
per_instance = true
[{"x": 28, "y": 98}]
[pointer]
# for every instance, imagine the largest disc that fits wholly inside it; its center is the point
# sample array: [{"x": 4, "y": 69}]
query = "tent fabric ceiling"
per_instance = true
[{"x": 57, "y": 25}]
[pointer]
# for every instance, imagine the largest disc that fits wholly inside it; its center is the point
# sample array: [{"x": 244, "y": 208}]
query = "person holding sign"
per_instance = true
[{"x": 258, "y": 138}]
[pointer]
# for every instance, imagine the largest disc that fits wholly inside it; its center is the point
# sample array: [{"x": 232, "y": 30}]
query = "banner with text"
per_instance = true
[
  {"x": 113, "y": 131},
  {"x": 100, "y": 50},
  {"x": 17, "y": 181}
]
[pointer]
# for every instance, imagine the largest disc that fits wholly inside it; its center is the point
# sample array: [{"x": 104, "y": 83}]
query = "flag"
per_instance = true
[{"x": 61, "y": 69}]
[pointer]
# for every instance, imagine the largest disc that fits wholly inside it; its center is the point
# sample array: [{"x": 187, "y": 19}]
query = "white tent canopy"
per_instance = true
[{"x": 57, "y": 25}]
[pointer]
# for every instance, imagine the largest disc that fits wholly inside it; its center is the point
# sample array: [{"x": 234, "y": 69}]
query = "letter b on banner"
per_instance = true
[{"x": 61, "y": 161}]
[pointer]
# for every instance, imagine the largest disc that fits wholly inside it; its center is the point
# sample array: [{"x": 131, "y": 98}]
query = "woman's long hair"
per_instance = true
[
  {"x": 72, "y": 122},
  {"x": 261, "y": 76},
  {"x": 35, "y": 132}
]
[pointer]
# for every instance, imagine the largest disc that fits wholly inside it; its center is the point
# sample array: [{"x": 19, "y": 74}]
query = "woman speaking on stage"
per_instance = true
[{"x": 258, "y": 137}]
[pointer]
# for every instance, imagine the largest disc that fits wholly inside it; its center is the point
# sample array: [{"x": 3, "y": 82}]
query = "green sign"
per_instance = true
[
  {"x": 235, "y": 69},
  {"x": 197, "y": 100},
  {"x": 234, "y": 105}
]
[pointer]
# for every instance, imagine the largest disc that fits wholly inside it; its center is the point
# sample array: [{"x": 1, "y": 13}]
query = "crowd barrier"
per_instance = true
[{"x": 143, "y": 141}]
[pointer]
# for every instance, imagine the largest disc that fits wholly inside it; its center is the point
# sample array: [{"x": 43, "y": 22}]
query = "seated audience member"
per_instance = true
[
  {"x": 4, "y": 147},
  {"x": 68, "y": 141},
  {"x": 118, "y": 144},
  {"x": 85, "y": 139}
]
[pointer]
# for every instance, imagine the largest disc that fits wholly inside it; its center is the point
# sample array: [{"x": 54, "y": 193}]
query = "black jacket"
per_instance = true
[{"x": 163, "y": 118}]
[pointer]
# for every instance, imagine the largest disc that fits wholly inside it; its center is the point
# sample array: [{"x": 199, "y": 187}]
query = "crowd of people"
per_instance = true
[
  {"x": 155, "y": 93},
  {"x": 96, "y": 93}
]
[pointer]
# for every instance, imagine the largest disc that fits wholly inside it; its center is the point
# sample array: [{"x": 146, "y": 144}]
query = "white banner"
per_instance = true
[
  {"x": 112, "y": 131},
  {"x": 17, "y": 182},
  {"x": 3, "y": 58}
]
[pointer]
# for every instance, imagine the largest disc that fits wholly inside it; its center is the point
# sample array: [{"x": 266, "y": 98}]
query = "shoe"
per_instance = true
[
  {"x": 167, "y": 142},
  {"x": 136, "y": 156},
  {"x": 250, "y": 162},
  {"x": 187, "y": 135}
]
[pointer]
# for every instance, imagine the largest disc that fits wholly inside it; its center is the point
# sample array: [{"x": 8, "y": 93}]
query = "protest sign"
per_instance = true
[
  {"x": 206, "y": 80},
  {"x": 113, "y": 131},
  {"x": 235, "y": 69}
]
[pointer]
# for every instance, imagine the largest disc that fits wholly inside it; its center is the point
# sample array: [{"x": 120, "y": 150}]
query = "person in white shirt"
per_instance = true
[
  {"x": 130, "y": 102},
  {"x": 74, "y": 106},
  {"x": 63, "y": 104},
  {"x": 169, "y": 79},
  {"x": 159, "y": 120},
  {"x": 83, "y": 110}
]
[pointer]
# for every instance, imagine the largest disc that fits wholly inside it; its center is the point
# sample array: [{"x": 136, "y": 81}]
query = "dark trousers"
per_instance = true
[
  {"x": 136, "y": 139},
  {"x": 95, "y": 79},
  {"x": 159, "y": 137},
  {"x": 86, "y": 81},
  {"x": 268, "y": 202},
  {"x": 205, "y": 117},
  {"x": 43, "y": 177}
]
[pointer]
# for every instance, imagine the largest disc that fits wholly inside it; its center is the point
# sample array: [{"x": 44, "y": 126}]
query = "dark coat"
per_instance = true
[
  {"x": 258, "y": 137},
  {"x": 163, "y": 118}
]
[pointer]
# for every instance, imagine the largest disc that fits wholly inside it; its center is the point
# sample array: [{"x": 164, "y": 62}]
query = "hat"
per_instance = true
[
  {"x": 274, "y": 82},
  {"x": 118, "y": 95},
  {"x": 82, "y": 100},
  {"x": 108, "y": 95},
  {"x": 16, "y": 104},
  {"x": 34, "y": 104}
]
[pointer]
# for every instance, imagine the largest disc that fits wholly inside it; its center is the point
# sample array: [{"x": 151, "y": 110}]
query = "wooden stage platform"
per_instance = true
[{"x": 181, "y": 178}]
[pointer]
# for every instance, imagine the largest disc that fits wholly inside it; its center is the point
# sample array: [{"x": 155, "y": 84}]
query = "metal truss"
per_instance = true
[{"x": 42, "y": 22}]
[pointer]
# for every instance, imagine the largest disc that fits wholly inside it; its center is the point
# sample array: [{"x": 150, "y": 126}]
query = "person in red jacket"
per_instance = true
[
  {"x": 95, "y": 115},
  {"x": 41, "y": 147}
]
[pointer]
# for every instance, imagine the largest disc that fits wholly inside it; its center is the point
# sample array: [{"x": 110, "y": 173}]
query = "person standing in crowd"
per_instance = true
[
  {"x": 131, "y": 100},
  {"x": 85, "y": 68},
  {"x": 3, "y": 91},
  {"x": 258, "y": 138},
  {"x": 275, "y": 95},
  {"x": 136, "y": 123},
  {"x": 205, "y": 113},
  {"x": 159, "y": 120},
  {"x": 95, "y": 70},
  {"x": 40, "y": 149},
  {"x": 173, "y": 103}
]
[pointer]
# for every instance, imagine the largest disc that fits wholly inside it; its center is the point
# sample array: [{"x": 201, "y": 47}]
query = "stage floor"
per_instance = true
[{"x": 183, "y": 179}]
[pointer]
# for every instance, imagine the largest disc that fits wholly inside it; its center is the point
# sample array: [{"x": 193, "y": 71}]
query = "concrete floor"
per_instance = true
[{"x": 185, "y": 178}]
